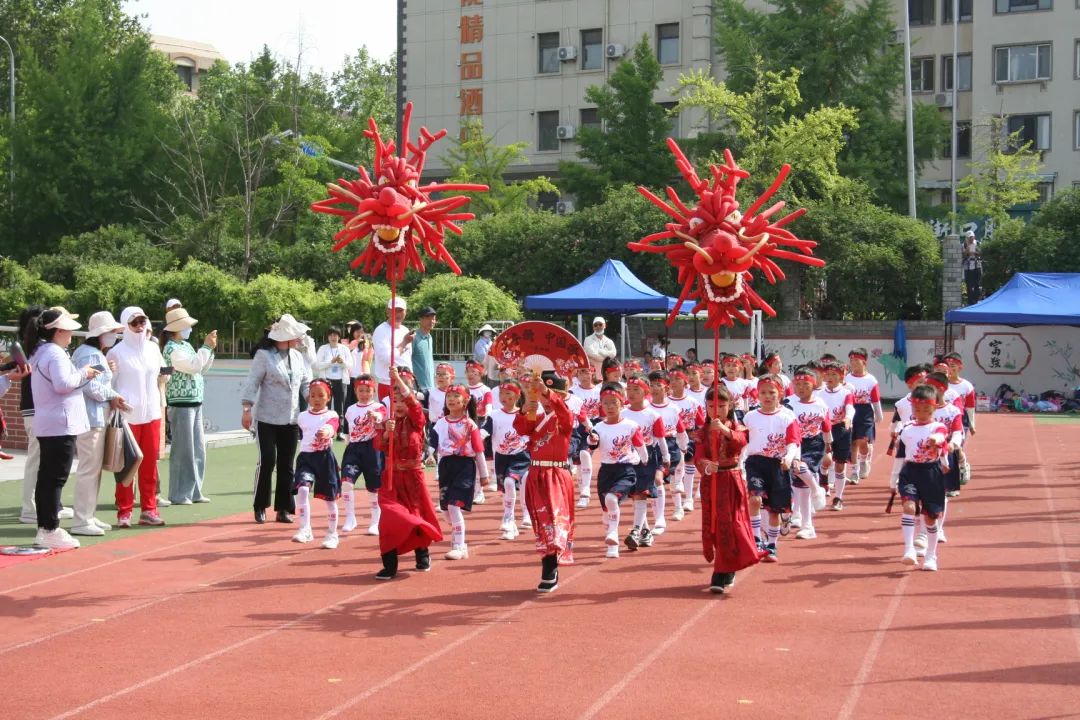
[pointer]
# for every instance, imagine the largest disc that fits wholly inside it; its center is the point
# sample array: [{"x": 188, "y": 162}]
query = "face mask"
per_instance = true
[
  {"x": 108, "y": 340},
  {"x": 185, "y": 333},
  {"x": 135, "y": 338}
]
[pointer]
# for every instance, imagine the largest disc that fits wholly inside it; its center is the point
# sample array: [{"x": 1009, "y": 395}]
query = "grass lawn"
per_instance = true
[{"x": 229, "y": 482}]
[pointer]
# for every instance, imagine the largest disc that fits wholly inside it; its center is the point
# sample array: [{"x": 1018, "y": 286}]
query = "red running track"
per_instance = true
[{"x": 230, "y": 619}]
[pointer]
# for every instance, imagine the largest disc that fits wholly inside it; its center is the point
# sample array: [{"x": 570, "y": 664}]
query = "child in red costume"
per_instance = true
[
  {"x": 726, "y": 537},
  {"x": 408, "y": 521},
  {"x": 549, "y": 487}
]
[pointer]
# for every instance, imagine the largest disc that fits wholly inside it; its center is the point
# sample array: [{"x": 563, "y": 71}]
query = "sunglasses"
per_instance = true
[{"x": 137, "y": 322}]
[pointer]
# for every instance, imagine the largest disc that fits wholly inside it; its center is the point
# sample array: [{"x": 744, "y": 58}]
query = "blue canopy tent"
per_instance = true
[
  {"x": 1027, "y": 299},
  {"x": 611, "y": 289}
]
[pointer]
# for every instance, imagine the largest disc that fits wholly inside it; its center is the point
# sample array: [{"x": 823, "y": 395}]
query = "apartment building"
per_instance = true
[
  {"x": 191, "y": 59},
  {"x": 1019, "y": 59}
]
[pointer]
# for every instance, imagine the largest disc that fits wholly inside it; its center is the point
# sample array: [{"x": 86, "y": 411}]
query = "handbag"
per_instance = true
[
  {"x": 133, "y": 457},
  {"x": 113, "y": 459}
]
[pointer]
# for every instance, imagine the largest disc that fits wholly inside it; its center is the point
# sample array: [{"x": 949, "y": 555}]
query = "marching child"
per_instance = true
[
  {"x": 612, "y": 372},
  {"x": 481, "y": 395},
  {"x": 580, "y": 454},
  {"x": 650, "y": 475},
  {"x": 840, "y": 400},
  {"x": 693, "y": 417},
  {"x": 737, "y": 386},
  {"x": 922, "y": 445},
  {"x": 867, "y": 399},
  {"x": 621, "y": 446},
  {"x": 511, "y": 455},
  {"x": 708, "y": 373},
  {"x": 965, "y": 400},
  {"x": 749, "y": 367},
  {"x": 316, "y": 465},
  {"x": 774, "y": 365},
  {"x": 815, "y": 453},
  {"x": 773, "y": 447},
  {"x": 695, "y": 388},
  {"x": 435, "y": 401},
  {"x": 461, "y": 464},
  {"x": 676, "y": 439},
  {"x": 948, "y": 414},
  {"x": 362, "y": 420},
  {"x": 914, "y": 376},
  {"x": 726, "y": 537}
]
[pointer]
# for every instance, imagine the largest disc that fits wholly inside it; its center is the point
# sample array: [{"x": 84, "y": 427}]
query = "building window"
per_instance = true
[
  {"x": 1034, "y": 129},
  {"x": 187, "y": 75},
  {"x": 673, "y": 120},
  {"x": 1076, "y": 55},
  {"x": 1011, "y": 6},
  {"x": 547, "y": 45},
  {"x": 964, "y": 63},
  {"x": 965, "y": 11},
  {"x": 590, "y": 118},
  {"x": 1046, "y": 191},
  {"x": 921, "y": 12},
  {"x": 1020, "y": 63},
  {"x": 922, "y": 75},
  {"x": 592, "y": 49},
  {"x": 667, "y": 44},
  {"x": 547, "y": 123},
  {"x": 963, "y": 141},
  {"x": 1076, "y": 130}
]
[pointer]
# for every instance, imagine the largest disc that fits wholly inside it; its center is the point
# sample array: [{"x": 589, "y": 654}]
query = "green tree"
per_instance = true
[
  {"x": 845, "y": 56},
  {"x": 20, "y": 287},
  {"x": 631, "y": 147},
  {"x": 1048, "y": 243},
  {"x": 108, "y": 245},
  {"x": 1003, "y": 173},
  {"x": 475, "y": 158},
  {"x": 465, "y": 302}
]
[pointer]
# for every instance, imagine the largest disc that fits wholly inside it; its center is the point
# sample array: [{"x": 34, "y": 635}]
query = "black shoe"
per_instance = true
[
  {"x": 633, "y": 540},
  {"x": 717, "y": 584},
  {"x": 549, "y": 574},
  {"x": 729, "y": 580},
  {"x": 646, "y": 537},
  {"x": 390, "y": 564},
  {"x": 260, "y": 516},
  {"x": 547, "y": 586},
  {"x": 284, "y": 517},
  {"x": 423, "y": 560}
]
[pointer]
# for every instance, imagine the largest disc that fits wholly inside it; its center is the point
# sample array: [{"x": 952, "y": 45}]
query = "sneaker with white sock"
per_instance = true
[
  {"x": 612, "y": 538},
  {"x": 941, "y": 536},
  {"x": 660, "y": 527},
  {"x": 101, "y": 524},
  {"x": 818, "y": 497},
  {"x": 930, "y": 563},
  {"x": 460, "y": 552},
  {"x": 90, "y": 530},
  {"x": 688, "y": 505},
  {"x": 678, "y": 513},
  {"x": 163, "y": 501},
  {"x": 150, "y": 518},
  {"x": 123, "y": 520},
  {"x": 478, "y": 496},
  {"x": 864, "y": 468},
  {"x": 909, "y": 557},
  {"x": 795, "y": 521},
  {"x": 526, "y": 522},
  {"x": 509, "y": 531},
  {"x": 303, "y": 535},
  {"x": 920, "y": 541},
  {"x": 583, "y": 501},
  {"x": 65, "y": 513},
  {"x": 612, "y": 551},
  {"x": 492, "y": 486},
  {"x": 57, "y": 539},
  {"x": 349, "y": 525},
  {"x": 373, "y": 529},
  {"x": 330, "y": 542},
  {"x": 806, "y": 534}
]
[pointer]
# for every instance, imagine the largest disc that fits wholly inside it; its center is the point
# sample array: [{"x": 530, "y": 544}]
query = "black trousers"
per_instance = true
[
  {"x": 337, "y": 392},
  {"x": 973, "y": 280},
  {"x": 277, "y": 449},
  {"x": 57, "y": 454}
]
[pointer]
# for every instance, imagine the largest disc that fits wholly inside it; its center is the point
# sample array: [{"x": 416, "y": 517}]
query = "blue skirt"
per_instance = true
[
  {"x": 319, "y": 471},
  {"x": 457, "y": 481},
  {"x": 515, "y": 467},
  {"x": 863, "y": 424}
]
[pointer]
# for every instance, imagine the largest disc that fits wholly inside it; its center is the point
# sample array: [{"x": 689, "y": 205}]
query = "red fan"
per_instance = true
[{"x": 538, "y": 346}]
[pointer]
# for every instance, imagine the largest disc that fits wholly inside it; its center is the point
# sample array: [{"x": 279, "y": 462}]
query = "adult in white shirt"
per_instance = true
[
  {"x": 139, "y": 380},
  {"x": 391, "y": 334},
  {"x": 333, "y": 363},
  {"x": 599, "y": 347}
]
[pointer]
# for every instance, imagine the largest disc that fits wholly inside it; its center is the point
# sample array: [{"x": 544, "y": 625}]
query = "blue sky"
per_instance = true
[{"x": 239, "y": 28}]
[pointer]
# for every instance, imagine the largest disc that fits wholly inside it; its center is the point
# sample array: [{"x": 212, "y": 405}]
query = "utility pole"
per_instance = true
[{"x": 909, "y": 112}]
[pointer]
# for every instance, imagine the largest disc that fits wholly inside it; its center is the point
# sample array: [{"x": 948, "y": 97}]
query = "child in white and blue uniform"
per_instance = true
[{"x": 316, "y": 465}]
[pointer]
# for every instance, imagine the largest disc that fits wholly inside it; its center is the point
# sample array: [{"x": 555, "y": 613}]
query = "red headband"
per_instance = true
[
  {"x": 747, "y": 356},
  {"x": 661, "y": 380},
  {"x": 322, "y": 382},
  {"x": 473, "y": 364},
  {"x": 936, "y": 383},
  {"x": 445, "y": 366},
  {"x": 954, "y": 361},
  {"x": 458, "y": 390},
  {"x": 613, "y": 393},
  {"x": 364, "y": 383},
  {"x": 616, "y": 366},
  {"x": 770, "y": 381},
  {"x": 733, "y": 360},
  {"x": 510, "y": 387},
  {"x": 806, "y": 376},
  {"x": 639, "y": 382},
  {"x": 678, "y": 374},
  {"x": 922, "y": 401},
  {"x": 919, "y": 379},
  {"x": 856, "y": 355}
]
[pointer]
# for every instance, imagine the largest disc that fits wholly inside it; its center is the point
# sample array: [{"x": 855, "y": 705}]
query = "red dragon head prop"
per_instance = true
[
  {"x": 716, "y": 247},
  {"x": 392, "y": 211}
]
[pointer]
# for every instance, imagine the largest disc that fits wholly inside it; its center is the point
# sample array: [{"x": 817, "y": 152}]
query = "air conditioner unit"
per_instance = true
[
  {"x": 566, "y": 132},
  {"x": 897, "y": 37},
  {"x": 564, "y": 207},
  {"x": 615, "y": 50},
  {"x": 568, "y": 52},
  {"x": 944, "y": 100}
]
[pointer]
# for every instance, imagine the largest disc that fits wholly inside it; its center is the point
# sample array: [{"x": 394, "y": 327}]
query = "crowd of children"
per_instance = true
[{"x": 761, "y": 453}]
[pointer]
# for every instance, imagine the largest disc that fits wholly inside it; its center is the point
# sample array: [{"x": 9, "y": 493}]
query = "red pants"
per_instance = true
[{"x": 148, "y": 436}]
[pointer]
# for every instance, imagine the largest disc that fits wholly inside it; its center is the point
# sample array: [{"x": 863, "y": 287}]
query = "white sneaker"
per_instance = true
[
  {"x": 478, "y": 498},
  {"x": 373, "y": 529},
  {"x": 941, "y": 536},
  {"x": 920, "y": 551},
  {"x": 697, "y": 494},
  {"x": 612, "y": 551},
  {"x": 659, "y": 528},
  {"x": 57, "y": 539},
  {"x": 101, "y": 524},
  {"x": 795, "y": 521},
  {"x": 89, "y": 530},
  {"x": 864, "y": 468},
  {"x": 920, "y": 541},
  {"x": 28, "y": 519},
  {"x": 806, "y": 534},
  {"x": 526, "y": 522},
  {"x": 460, "y": 552},
  {"x": 510, "y": 532},
  {"x": 183, "y": 502},
  {"x": 930, "y": 563},
  {"x": 65, "y": 513},
  {"x": 678, "y": 513},
  {"x": 612, "y": 540},
  {"x": 202, "y": 499},
  {"x": 330, "y": 542},
  {"x": 818, "y": 497},
  {"x": 303, "y": 535},
  {"x": 492, "y": 487},
  {"x": 688, "y": 506},
  {"x": 909, "y": 557},
  {"x": 349, "y": 525},
  {"x": 163, "y": 501},
  {"x": 583, "y": 501}
]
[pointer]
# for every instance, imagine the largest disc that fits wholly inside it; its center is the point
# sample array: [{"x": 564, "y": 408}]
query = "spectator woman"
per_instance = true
[
  {"x": 332, "y": 363},
  {"x": 184, "y": 399},
  {"x": 101, "y": 400},
  {"x": 271, "y": 401},
  {"x": 59, "y": 417},
  {"x": 138, "y": 377}
]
